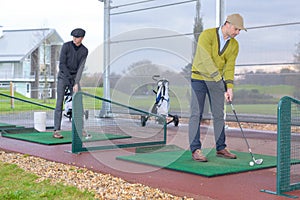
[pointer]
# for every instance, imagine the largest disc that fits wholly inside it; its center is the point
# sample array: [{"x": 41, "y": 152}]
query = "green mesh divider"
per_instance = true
[
  {"x": 288, "y": 147},
  {"x": 123, "y": 121},
  {"x": 288, "y": 176},
  {"x": 284, "y": 145}
]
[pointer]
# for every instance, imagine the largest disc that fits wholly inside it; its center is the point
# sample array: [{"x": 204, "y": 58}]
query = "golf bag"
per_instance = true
[
  {"x": 68, "y": 104},
  {"x": 161, "y": 106},
  {"x": 162, "y": 102}
]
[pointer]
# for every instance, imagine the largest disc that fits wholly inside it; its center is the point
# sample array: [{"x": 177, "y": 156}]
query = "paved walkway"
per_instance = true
[{"x": 239, "y": 186}]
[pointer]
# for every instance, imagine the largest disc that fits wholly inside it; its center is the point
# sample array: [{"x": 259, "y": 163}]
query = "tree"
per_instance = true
[
  {"x": 297, "y": 56},
  {"x": 91, "y": 80},
  {"x": 198, "y": 28},
  {"x": 143, "y": 67}
]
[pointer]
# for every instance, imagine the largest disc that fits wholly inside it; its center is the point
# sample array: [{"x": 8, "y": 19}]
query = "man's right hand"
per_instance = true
[{"x": 75, "y": 88}]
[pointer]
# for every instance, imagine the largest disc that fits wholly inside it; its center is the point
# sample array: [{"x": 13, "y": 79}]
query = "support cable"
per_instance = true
[
  {"x": 130, "y": 4},
  {"x": 153, "y": 7},
  {"x": 187, "y": 34}
]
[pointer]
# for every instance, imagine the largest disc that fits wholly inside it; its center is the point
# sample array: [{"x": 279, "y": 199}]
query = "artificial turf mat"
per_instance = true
[
  {"x": 156, "y": 148},
  {"x": 5, "y": 125},
  {"x": 46, "y": 137},
  {"x": 181, "y": 160}
]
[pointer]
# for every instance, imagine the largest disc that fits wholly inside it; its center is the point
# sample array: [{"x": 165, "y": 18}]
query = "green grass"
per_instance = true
[
  {"x": 15, "y": 183},
  {"x": 260, "y": 109},
  {"x": 177, "y": 103},
  {"x": 91, "y": 103},
  {"x": 93, "y": 91},
  {"x": 275, "y": 90},
  {"x": 22, "y": 106}
]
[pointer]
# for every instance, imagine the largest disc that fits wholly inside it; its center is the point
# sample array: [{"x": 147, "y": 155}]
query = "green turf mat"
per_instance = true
[
  {"x": 20, "y": 130},
  {"x": 181, "y": 160},
  {"x": 157, "y": 148},
  {"x": 46, "y": 137},
  {"x": 5, "y": 125}
]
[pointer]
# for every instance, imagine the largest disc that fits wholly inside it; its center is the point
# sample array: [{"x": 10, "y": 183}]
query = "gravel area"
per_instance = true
[
  {"x": 254, "y": 126},
  {"x": 105, "y": 186}
]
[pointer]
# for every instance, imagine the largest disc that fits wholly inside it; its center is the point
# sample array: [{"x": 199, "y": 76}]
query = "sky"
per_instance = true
[
  {"x": 272, "y": 45},
  {"x": 62, "y": 15}
]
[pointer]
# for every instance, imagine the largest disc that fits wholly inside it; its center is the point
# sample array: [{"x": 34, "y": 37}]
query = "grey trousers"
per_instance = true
[
  {"x": 215, "y": 92},
  {"x": 60, "y": 91}
]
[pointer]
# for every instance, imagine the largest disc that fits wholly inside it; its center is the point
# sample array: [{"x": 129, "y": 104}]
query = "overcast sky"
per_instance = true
[
  {"x": 256, "y": 46},
  {"x": 62, "y": 15}
]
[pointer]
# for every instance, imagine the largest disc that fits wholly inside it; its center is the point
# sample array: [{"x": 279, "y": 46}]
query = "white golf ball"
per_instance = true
[{"x": 251, "y": 163}]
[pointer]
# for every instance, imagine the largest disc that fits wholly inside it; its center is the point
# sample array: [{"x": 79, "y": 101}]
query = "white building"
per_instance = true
[{"x": 29, "y": 59}]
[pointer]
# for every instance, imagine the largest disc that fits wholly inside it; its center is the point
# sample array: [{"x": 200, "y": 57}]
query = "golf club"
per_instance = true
[{"x": 256, "y": 161}]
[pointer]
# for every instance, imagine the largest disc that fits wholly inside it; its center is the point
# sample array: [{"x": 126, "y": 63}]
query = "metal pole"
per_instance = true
[
  {"x": 106, "y": 106},
  {"x": 12, "y": 93},
  {"x": 220, "y": 12}
]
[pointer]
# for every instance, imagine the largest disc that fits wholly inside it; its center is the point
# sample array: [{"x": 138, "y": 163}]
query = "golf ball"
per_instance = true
[{"x": 251, "y": 163}]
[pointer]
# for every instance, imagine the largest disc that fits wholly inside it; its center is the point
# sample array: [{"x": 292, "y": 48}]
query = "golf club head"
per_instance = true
[{"x": 258, "y": 161}]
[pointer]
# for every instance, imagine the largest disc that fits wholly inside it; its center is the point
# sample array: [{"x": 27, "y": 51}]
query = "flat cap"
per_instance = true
[{"x": 78, "y": 32}]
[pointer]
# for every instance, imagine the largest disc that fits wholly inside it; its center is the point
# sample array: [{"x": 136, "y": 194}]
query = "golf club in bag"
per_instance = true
[
  {"x": 68, "y": 104},
  {"x": 256, "y": 161},
  {"x": 162, "y": 103}
]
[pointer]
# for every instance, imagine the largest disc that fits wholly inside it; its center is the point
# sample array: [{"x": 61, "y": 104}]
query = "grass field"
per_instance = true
[
  {"x": 275, "y": 90},
  {"x": 24, "y": 185},
  {"x": 179, "y": 101},
  {"x": 260, "y": 109}
]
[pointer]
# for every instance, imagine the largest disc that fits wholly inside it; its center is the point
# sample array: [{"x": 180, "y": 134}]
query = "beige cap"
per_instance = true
[{"x": 237, "y": 21}]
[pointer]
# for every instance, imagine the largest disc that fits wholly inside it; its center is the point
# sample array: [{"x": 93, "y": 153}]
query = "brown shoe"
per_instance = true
[
  {"x": 225, "y": 153},
  {"x": 86, "y": 134},
  {"x": 57, "y": 135},
  {"x": 198, "y": 156}
]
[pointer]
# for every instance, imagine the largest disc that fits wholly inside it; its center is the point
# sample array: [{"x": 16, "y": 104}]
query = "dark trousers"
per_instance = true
[{"x": 216, "y": 99}]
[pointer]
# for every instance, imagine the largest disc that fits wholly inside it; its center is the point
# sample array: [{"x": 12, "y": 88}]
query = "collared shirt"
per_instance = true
[{"x": 222, "y": 40}]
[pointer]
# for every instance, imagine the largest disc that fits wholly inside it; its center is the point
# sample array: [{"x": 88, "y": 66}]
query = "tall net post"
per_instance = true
[{"x": 288, "y": 147}]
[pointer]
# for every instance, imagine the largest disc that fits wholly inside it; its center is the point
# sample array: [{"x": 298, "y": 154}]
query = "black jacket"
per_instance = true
[{"x": 71, "y": 62}]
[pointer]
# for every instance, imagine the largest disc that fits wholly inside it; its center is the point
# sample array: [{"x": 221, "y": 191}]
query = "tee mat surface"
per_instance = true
[
  {"x": 46, "y": 137},
  {"x": 5, "y": 126},
  {"x": 181, "y": 160}
]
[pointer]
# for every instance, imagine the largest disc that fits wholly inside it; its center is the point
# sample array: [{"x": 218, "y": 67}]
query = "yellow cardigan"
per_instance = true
[{"x": 212, "y": 65}]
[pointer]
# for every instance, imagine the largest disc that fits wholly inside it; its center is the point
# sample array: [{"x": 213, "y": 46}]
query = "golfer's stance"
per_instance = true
[{"x": 212, "y": 74}]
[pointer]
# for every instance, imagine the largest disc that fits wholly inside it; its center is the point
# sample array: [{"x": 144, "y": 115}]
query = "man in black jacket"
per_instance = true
[{"x": 71, "y": 64}]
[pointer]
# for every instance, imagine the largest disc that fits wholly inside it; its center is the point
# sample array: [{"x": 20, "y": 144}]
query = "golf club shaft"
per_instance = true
[{"x": 233, "y": 110}]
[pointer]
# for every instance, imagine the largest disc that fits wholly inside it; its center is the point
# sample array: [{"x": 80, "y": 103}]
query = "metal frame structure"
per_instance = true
[{"x": 106, "y": 108}]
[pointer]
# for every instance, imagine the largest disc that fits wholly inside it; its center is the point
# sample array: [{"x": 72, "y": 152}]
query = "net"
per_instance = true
[
  {"x": 288, "y": 146},
  {"x": 124, "y": 121}
]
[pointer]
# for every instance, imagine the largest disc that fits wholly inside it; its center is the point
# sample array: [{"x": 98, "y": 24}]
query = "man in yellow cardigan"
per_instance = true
[{"x": 213, "y": 74}]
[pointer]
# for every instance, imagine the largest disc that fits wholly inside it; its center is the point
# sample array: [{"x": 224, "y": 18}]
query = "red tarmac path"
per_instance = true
[{"x": 241, "y": 186}]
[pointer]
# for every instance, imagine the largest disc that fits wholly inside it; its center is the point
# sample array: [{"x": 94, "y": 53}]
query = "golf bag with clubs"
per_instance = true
[
  {"x": 162, "y": 102},
  {"x": 68, "y": 104}
]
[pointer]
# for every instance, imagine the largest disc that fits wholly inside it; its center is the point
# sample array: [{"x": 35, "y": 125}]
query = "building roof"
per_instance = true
[{"x": 16, "y": 45}]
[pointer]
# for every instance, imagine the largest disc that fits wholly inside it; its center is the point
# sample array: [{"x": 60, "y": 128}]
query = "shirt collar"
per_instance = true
[{"x": 221, "y": 34}]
